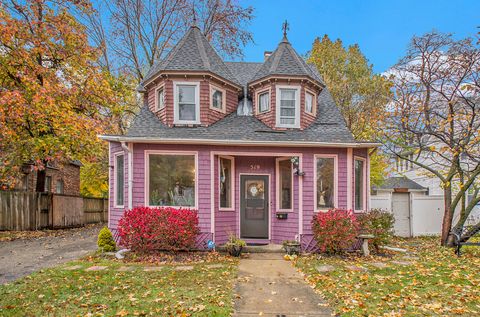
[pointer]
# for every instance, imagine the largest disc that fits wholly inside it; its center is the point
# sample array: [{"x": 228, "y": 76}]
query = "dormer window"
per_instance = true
[
  {"x": 263, "y": 101},
  {"x": 218, "y": 99},
  {"x": 310, "y": 101},
  {"x": 288, "y": 104},
  {"x": 160, "y": 101},
  {"x": 187, "y": 103}
]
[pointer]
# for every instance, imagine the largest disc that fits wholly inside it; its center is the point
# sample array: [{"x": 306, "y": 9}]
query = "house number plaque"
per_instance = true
[{"x": 254, "y": 167}]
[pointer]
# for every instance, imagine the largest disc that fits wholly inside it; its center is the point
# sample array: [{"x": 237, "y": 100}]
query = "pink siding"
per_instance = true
[
  {"x": 116, "y": 213},
  {"x": 227, "y": 221}
]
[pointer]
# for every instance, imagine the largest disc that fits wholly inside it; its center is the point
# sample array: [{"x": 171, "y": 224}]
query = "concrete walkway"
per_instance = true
[{"x": 268, "y": 285}]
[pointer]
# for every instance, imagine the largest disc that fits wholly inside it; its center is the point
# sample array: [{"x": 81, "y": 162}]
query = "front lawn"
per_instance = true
[
  {"x": 427, "y": 281},
  {"x": 123, "y": 289}
]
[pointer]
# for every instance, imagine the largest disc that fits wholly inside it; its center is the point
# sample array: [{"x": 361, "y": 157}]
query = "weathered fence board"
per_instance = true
[{"x": 33, "y": 211}]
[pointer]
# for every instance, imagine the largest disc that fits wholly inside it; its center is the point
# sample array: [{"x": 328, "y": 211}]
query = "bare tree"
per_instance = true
[
  {"x": 434, "y": 119},
  {"x": 141, "y": 32}
]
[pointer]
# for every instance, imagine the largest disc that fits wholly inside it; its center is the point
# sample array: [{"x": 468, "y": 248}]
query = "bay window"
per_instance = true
[
  {"x": 325, "y": 183},
  {"x": 218, "y": 99},
  {"x": 119, "y": 170},
  {"x": 309, "y": 102},
  {"x": 171, "y": 180},
  {"x": 360, "y": 183},
  {"x": 263, "y": 101},
  {"x": 287, "y": 107},
  {"x": 284, "y": 184},
  {"x": 187, "y": 103},
  {"x": 226, "y": 181}
]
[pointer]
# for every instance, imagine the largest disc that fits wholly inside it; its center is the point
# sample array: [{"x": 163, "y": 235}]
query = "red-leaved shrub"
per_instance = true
[
  {"x": 146, "y": 229},
  {"x": 334, "y": 230}
]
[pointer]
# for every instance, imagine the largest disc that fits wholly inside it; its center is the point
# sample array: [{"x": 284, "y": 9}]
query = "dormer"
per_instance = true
[
  {"x": 192, "y": 86},
  {"x": 285, "y": 90}
]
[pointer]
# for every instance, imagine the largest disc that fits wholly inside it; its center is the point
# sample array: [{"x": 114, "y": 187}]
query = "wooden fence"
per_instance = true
[{"x": 33, "y": 211}]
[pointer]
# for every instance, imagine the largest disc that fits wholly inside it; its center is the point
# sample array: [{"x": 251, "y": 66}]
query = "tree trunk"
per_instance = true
[
  {"x": 41, "y": 177},
  {"x": 447, "y": 216}
]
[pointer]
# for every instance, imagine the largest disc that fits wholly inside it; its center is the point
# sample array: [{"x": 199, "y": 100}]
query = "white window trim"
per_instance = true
[
  {"x": 257, "y": 100},
  {"x": 147, "y": 154},
  {"x": 161, "y": 87},
  {"x": 115, "y": 181},
  {"x": 224, "y": 98},
  {"x": 232, "y": 183},
  {"x": 335, "y": 180},
  {"x": 314, "y": 102},
  {"x": 277, "y": 187},
  {"x": 359, "y": 158},
  {"x": 297, "y": 107},
  {"x": 176, "y": 119}
]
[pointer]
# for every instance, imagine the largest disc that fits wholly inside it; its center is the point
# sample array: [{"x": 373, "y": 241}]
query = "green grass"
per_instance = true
[
  {"x": 202, "y": 291},
  {"x": 438, "y": 283}
]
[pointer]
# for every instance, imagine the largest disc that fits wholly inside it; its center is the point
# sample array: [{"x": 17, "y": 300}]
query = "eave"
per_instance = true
[{"x": 226, "y": 142}]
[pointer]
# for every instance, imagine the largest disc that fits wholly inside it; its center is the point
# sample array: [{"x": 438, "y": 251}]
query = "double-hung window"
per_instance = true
[
  {"x": 119, "y": 169},
  {"x": 360, "y": 183},
  {"x": 226, "y": 182},
  {"x": 218, "y": 99},
  {"x": 187, "y": 103},
  {"x": 263, "y": 100},
  {"x": 160, "y": 102},
  {"x": 309, "y": 102},
  {"x": 288, "y": 114}
]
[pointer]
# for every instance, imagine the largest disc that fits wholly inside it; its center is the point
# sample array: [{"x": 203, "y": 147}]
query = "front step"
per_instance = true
[{"x": 267, "y": 248}]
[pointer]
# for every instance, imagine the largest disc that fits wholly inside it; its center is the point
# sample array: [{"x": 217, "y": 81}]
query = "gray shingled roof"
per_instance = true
[
  {"x": 192, "y": 53},
  {"x": 286, "y": 61},
  {"x": 400, "y": 182},
  {"x": 243, "y": 71},
  {"x": 329, "y": 127}
]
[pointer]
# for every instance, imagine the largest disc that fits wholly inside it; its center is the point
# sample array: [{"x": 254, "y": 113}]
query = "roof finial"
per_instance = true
[
  {"x": 285, "y": 28},
  {"x": 194, "y": 23}
]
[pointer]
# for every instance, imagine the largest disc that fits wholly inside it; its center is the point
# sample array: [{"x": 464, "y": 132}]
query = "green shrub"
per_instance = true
[
  {"x": 379, "y": 223},
  {"x": 105, "y": 241}
]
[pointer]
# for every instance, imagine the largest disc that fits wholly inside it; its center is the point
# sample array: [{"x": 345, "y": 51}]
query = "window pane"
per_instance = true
[
  {"x": 186, "y": 112},
  {"x": 285, "y": 181},
  {"x": 59, "y": 187},
  {"x": 48, "y": 183},
  {"x": 325, "y": 183},
  {"x": 359, "y": 181},
  {"x": 225, "y": 183},
  {"x": 308, "y": 103},
  {"x": 287, "y": 94},
  {"x": 287, "y": 112},
  {"x": 172, "y": 180},
  {"x": 160, "y": 99},
  {"x": 287, "y": 121},
  {"x": 263, "y": 102},
  {"x": 217, "y": 99},
  {"x": 120, "y": 180},
  {"x": 186, "y": 94}
]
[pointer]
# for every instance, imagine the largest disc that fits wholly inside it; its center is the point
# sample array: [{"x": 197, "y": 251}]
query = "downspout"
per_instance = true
[{"x": 129, "y": 148}]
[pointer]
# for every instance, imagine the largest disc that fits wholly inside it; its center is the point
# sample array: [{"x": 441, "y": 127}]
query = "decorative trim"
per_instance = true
[
  {"x": 147, "y": 154},
  {"x": 224, "y": 98},
  {"x": 364, "y": 183},
  {"x": 297, "y": 89},
  {"x": 335, "y": 180},
  {"x": 176, "y": 119},
  {"x": 115, "y": 181},
  {"x": 277, "y": 185},
  {"x": 232, "y": 183},
  {"x": 349, "y": 178}
]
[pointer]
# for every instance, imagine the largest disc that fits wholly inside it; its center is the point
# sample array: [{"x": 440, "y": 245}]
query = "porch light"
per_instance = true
[{"x": 296, "y": 165}]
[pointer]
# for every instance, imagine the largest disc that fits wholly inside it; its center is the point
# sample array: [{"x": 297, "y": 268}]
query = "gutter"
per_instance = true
[
  {"x": 129, "y": 148},
  {"x": 227, "y": 142}
]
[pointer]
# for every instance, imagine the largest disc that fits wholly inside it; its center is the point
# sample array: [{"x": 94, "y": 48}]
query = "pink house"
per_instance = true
[{"x": 256, "y": 148}]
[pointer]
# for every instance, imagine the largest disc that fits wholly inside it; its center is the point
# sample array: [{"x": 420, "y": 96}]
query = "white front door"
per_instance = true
[{"x": 401, "y": 211}]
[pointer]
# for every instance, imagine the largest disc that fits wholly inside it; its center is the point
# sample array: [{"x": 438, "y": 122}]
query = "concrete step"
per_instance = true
[{"x": 267, "y": 248}]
